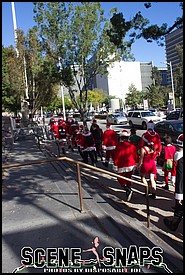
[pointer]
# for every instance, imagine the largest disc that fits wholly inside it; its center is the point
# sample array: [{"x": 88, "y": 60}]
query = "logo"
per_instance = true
[{"x": 109, "y": 260}]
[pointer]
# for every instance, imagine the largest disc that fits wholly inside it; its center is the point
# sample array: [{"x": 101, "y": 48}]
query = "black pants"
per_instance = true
[
  {"x": 178, "y": 210},
  {"x": 98, "y": 150},
  {"x": 90, "y": 154}
]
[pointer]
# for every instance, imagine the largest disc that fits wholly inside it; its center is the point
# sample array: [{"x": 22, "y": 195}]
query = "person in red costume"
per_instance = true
[
  {"x": 125, "y": 160},
  {"x": 78, "y": 139},
  {"x": 150, "y": 136},
  {"x": 169, "y": 151},
  {"x": 109, "y": 142}
]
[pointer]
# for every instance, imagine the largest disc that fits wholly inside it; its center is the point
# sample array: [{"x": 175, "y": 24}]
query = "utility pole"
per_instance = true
[
  {"x": 23, "y": 102},
  {"x": 62, "y": 95}
]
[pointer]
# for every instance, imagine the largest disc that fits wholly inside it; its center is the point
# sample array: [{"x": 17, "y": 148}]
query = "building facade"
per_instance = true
[
  {"x": 172, "y": 40},
  {"x": 123, "y": 74}
]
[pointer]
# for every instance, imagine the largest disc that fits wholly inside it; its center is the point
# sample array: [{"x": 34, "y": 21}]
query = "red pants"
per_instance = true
[
  {"x": 127, "y": 175},
  {"x": 166, "y": 174}
]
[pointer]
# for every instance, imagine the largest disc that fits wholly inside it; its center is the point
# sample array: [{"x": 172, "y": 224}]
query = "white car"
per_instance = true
[
  {"x": 117, "y": 118},
  {"x": 141, "y": 118}
]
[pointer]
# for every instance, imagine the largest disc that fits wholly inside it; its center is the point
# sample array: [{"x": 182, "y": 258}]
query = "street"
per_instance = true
[{"x": 117, "y": 128}]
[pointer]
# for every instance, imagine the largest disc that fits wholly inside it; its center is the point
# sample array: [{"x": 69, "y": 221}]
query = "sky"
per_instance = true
[{"x": 159, "y": 13}]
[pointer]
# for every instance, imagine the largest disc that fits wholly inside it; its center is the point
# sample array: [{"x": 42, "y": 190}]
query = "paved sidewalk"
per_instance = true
[{"x": 41, "y": 209}]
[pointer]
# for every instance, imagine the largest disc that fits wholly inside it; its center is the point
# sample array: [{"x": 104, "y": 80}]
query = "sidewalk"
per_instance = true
[{"x": 41, "y": 209}]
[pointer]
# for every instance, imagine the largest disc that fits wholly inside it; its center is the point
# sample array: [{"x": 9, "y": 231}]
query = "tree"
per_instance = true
[
  {"x": 38, "y": 71},
  {"x": 137, "y": 28},
  {"x": 11, "y": 81},
  {"x": 178, "y": 76},
  {"x": 155, "y": 95},
  {"x": 133, "y": 97},
  {"x": 95, "y": 97},
  {"x": 75, "y": 36}
]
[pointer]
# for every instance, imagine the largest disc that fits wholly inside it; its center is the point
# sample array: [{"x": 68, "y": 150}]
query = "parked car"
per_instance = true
[
  {"x": 172, "y": 128},
  {"x": 141, "y": 118},
  {"x": 117, "y": 118},
  {"x": 177, "y": 114},
  {"x": 90, "y": 116}
]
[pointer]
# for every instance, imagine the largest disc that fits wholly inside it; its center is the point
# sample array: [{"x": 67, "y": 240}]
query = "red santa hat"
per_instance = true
[
  {"x": 108, "y": 125},
  {"x": 124, "y": 133},
  {"x": 81, "y": 126},
  {"x": 150, "y": 125},
  {"x": 180, "y": 140},
  {"x": 147, "y": 137}
]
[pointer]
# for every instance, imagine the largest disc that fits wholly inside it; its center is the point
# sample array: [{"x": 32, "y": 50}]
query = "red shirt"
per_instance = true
[{"x": 169, "y": 151}]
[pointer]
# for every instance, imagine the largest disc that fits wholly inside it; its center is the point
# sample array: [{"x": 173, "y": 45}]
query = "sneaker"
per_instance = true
[
  {"x": 166, "y": 187},
  {"x": 129, "y": 194}
]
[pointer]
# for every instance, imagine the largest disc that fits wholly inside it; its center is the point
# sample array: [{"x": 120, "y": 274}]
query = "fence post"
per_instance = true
[
  {"x": 147, "y": 207},
  {"x": 80, "y": 187}
]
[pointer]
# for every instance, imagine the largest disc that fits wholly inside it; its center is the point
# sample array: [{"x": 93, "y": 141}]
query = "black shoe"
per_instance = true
[
  {"x": 172, "y": 226},
  {"x": 105, "y": 164},
  {"x": 166, "y": 187},
  {"x": 129, "y": 194},
  {"x": 152, "y": 196},
  {"x": 173, "y": 208}
]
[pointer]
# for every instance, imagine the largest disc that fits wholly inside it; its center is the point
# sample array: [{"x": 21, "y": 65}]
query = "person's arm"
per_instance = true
[{"x": 142, "y": 153}]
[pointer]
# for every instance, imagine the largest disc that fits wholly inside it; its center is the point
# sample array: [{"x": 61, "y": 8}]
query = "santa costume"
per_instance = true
[{"x": 109, "y": 142}]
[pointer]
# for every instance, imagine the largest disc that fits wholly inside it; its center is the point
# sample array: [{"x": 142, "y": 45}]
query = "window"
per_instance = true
[
  {"x": 136, "y": 114},
  {"x": 145, "y": 114},
  {"x": 160, "y": 126},
  {"x": 130, "y": 114}
]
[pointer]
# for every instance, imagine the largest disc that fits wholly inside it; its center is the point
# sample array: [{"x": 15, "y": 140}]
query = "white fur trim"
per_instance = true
[
  {"x": 126, "y": 169},
  {"x": 110, "y": 148},
  {"x": 178, "y": 155},
  {"x": 178, "y": 197},
  {"x": 89, "y": 149}
]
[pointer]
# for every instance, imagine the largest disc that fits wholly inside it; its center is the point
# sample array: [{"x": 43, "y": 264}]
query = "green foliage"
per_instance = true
[
  {"x": 138, "y": 28},
  {"x": 133, "y": 97},
  {"x": 178, "y": 75},
  {"x": 155, "y": 95},
  {"x": 11, "y": 85},
  {"x": 76, "y": 35}
]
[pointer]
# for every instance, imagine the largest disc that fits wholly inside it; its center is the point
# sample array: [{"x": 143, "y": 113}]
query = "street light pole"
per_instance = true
[
  {"x": 62, "y": 94},
  {"x": 173, "y": 92},
  {"x": 23, "y": 109}
]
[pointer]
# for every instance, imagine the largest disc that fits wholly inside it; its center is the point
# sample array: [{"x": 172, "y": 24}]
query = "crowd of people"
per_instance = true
[{"x": 128, "y": 153}]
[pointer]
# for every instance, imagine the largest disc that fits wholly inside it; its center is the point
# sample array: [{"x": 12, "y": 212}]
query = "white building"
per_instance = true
[{"x": 121, "y": 75}]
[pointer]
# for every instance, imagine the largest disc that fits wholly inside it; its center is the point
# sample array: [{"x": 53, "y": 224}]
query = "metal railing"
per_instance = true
[{"x": 78, "y": 164}]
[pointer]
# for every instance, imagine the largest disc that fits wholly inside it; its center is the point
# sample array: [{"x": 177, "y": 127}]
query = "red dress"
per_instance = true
[{"x": 148, "y": 166}]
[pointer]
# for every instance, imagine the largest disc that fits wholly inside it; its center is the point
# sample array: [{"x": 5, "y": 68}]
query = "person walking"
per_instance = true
[
  {"x": 150, "y": 136},
  {"x": 134, "y": 138},
  {"x": 173, "y": 223},
  {"x": 78, "y": 139},
  {"x": 109, "y": 142},
  {"x": 97, "y": 135},
  {"x": 125, "y": 160},
  {"x": 88, "y": 146},
  {"x": 169, "y": 151},
  {"x": 147, "y": 166}
]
